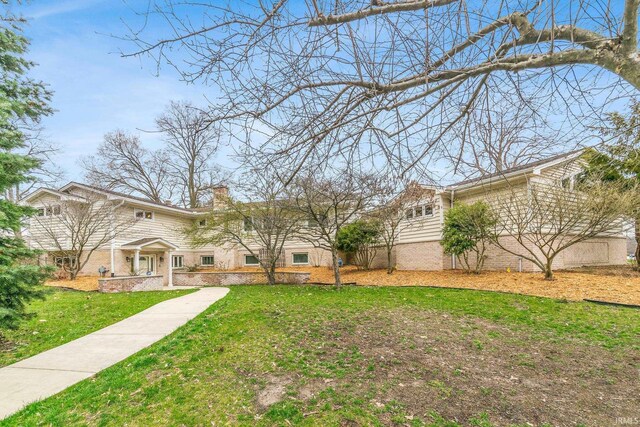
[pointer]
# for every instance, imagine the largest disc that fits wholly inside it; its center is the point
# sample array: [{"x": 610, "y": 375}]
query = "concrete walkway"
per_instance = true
[{"x": 54, "y": 370}]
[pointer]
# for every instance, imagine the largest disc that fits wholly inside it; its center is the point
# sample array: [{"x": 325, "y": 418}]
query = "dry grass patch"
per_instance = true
[{"x": 82, "y": 283}]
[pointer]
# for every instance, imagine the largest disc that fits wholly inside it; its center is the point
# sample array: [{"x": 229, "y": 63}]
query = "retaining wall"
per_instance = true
[
  {"x": 225, "y": 278},
  {"x": 130, "y": 284}
]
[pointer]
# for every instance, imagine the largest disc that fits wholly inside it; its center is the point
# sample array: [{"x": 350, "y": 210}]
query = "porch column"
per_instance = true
[
  {"x": 113, "y": 260},
  {"x": 136, "y": 262},
  {"x": 170, "y": 268}
]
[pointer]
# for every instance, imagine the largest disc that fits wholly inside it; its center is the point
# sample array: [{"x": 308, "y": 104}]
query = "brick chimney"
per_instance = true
[{"x": 220, "y": 195}]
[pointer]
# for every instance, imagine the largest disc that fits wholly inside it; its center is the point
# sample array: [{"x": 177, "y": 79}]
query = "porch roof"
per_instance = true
[{"x": 149, "y": 241}]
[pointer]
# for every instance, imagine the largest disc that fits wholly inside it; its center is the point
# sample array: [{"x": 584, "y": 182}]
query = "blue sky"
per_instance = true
[{"x": 95, "y": 90}]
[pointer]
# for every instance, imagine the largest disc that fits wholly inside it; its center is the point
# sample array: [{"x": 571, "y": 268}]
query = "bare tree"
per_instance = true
[
  {"x": 74, "y": 228},
  {"x": 504, "y": 133},
  {"x": 47, "y": 174},
  {"x": 123, "y": 164},
  {"x": 391, "y": 214},
  {"x": 193, "y": 142},
  {"x": 260, "y": 223},
  {"x": 390, "y": 79},
  {"x": 328, "y": 202},
  {"x": 548, "y": 219}
]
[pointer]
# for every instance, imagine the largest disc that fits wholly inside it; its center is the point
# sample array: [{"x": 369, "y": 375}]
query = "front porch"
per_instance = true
[{"x": 145, "y": 257}]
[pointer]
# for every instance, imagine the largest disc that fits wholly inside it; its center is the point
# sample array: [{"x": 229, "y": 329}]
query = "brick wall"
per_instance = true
[
  {"x": 599, "y": 251},
  {"x": 420, "y": 256},
  {"x": 130, "y": 284},
  {"x": 224, "y": 278}
]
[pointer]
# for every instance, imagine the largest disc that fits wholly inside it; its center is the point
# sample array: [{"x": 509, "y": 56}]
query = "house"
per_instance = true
[
  {"x": 418, "y": 244},
  {"x": 154, "y": 243}
]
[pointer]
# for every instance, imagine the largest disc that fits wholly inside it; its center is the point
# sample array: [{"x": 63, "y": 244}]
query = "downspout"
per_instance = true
[{"x": 453, "y": 257}]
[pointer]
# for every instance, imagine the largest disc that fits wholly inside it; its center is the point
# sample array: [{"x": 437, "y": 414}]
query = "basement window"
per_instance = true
[
  {"x": 251, "y": 260},
  {"x": 206, "y": 260},
  {"x": 300, "y": 258}
]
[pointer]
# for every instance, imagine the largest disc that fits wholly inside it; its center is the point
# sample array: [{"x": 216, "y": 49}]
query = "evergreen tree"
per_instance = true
[{"x": 23, "y": 101}]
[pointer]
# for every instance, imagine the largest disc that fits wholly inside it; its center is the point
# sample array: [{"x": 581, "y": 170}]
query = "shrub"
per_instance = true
[
  {"x": 467, "y": 232},
  {"x": 360, "y": 239}
]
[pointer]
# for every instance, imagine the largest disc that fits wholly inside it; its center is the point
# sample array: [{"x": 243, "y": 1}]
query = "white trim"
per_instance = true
[
  {"x": 132, "y": 201},
  {"x": 63, "y": 196},
  {"x": 151, "y": 242},
  {"x": 293, "y": 254}
]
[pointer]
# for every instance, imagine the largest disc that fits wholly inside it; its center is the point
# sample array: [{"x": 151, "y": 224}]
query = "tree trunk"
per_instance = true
[
  {"x": 637, "y": 251},
  {"x": 548, "y": 271},
  {"x": 336, "y": 267},
  {"x": 271, "y": 276},
  {"x": 390, "y": 266}
]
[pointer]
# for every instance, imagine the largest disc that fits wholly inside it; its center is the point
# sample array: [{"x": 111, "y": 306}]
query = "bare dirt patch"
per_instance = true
[
  {"x": 273, "y": 391},
  {"x": 408, "y": 363}
]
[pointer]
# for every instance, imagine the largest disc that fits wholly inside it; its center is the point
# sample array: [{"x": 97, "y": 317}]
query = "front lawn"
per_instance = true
[
  {"x": 303, "y": 355},
  {"x": 66, "y": 315}
]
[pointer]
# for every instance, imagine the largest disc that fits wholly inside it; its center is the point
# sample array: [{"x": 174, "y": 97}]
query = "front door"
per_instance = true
[{"x": 147, "y": 264}]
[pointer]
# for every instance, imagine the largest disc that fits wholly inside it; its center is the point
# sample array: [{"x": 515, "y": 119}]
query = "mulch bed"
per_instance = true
[
  {"x": 618, "y": 285},
  {"x": 568, "y": 285}
]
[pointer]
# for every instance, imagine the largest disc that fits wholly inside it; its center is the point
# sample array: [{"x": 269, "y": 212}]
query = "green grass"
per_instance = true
[
  {"x": 66, "y": 315},
  {"x": 211, "y": 371}
]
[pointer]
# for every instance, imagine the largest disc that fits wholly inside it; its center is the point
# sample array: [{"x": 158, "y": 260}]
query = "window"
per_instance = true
[
  {"x": 64, "y": 261},
  {"x": 202, "y": 223},
  {"x": 248, "y": 224},
  {"x": 428, "y": 210},
  {"x": 206, "y": 260},
  {"x": 418, "y": 211},
  {"x": 143, "y": 214},
  {"x": 566, "y": 183},
  {"x": 408, "y": 213},
  {"x": 177, "y": 261},
  {"x": 301, "y": 258},
  {"x": 251, "y": 260},
  {"x": 49, "y": 211}
]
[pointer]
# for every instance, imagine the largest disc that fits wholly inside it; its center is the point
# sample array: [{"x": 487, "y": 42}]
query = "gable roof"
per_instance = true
[
  {"x": 141, "y": 243},
  {"x": 127, "y": 197},
  {"x": 520, "y": 170}
]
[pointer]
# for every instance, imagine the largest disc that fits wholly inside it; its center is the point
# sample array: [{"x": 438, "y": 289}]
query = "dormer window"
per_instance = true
[{"x": 139, "y": 214}]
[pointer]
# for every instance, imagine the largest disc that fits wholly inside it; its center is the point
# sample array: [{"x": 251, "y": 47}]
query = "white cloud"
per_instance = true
[{"x": 60, "y": 7}]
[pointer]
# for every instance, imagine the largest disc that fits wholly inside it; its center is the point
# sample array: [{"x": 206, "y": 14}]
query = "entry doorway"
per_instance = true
[{"x": 147, "y": 264}]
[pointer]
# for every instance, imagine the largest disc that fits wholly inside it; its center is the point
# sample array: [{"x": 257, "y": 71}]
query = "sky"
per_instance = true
[{"x": 95, "y": 90}]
